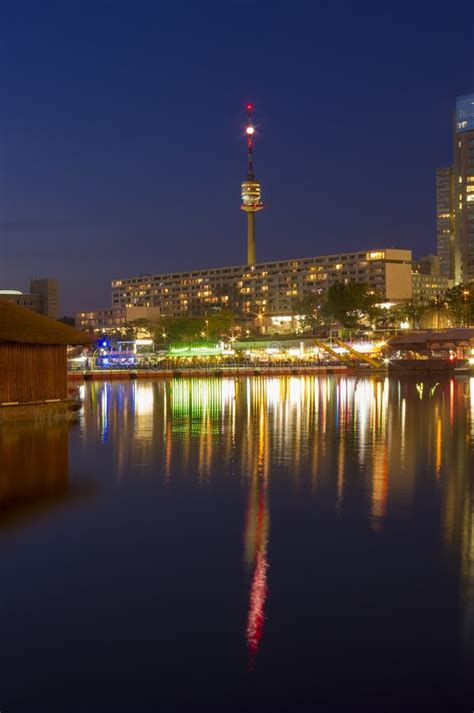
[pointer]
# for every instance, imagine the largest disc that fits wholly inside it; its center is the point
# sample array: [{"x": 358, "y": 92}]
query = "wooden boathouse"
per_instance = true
[{"x": 33, "y": 362}]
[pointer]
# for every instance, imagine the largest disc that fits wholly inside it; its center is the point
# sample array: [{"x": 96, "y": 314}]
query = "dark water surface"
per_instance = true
[{"x": 281, "y": 544}]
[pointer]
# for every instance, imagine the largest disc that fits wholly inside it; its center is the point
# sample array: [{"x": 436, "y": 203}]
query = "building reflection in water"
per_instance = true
[
  {"x": 371, "y": 440},
  {"x": 34, "y": 471}
]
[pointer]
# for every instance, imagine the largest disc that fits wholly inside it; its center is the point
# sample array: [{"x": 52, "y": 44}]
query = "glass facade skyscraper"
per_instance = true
[
  {"x": 464, "y": 185},
  {"x": 465, "y": 113},
  {"x": 455, "y": 199}
]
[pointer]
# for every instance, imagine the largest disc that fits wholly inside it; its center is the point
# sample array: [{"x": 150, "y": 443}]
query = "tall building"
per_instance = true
[
  {"x": 47, "y": 289},
  {"x": 455, "y": 199},
  {"x": 445, "y": 222},
  {"x": 464, "y": 184},
  {"x": 268, "y": 289}
]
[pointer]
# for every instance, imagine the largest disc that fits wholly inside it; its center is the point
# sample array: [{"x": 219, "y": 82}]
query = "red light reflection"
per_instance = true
[{"x": 256, "y": 536}]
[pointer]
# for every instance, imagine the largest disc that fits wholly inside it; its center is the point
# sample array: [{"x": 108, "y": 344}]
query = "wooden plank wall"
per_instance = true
[{"x": 32, "y": 372}]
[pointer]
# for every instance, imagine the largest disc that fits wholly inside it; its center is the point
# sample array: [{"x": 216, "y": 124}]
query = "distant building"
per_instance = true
[
  {"x": 101, "y": 321},
  {"x": 428, "y": 283},
  {"x": 48, "y": 290},
  {"x": 265, "y": 288},
  {"x": 455, "y": 199},
  {"x": 43, "y": 297},
  {"x": 98, "y": 320},
  {"x": 31, "y": 302},
  {"x": 428, "y": 265},
  {"x": 446, "y": 222},
  {"x": 427, "y": 288}
]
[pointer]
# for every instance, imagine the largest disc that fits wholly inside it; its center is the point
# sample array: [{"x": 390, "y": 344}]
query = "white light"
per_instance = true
[{"x": 249, "y": 130}]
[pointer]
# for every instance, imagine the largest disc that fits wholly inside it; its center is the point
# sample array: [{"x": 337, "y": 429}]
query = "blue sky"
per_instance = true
[{"x": 121, "y": 146}]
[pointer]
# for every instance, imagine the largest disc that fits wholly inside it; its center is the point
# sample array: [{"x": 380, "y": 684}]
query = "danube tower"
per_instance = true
[{"x": 251, "y": 192}]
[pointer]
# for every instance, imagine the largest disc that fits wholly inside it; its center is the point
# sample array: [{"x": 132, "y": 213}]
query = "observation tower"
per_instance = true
[{"x": 251, "y": 192}]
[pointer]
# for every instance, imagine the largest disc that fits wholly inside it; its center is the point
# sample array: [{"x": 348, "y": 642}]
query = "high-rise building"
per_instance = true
[
  {"x": 48, "y": 291},
  {"x": 464, "y": 184},
  {"x": 445, "y": 222},
  {"x": 455, "y": 199}
]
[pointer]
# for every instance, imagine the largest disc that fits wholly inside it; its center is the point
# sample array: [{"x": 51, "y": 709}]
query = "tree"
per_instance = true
[
  {"x": 310, "y": 310},
  {"x": 351, "y": 304},
  {"x": 140, "y": 328},
  {"x": 219, "y": 323},
  {"x": 407, "y": 311},
  {"x": 179, "y": 329},
  {"x": 460, "y": 302}
]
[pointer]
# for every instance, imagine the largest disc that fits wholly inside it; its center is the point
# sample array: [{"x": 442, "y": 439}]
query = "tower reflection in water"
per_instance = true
[
  {"x": 34, "y": 472},
  {"x": 368, "y": 445}
]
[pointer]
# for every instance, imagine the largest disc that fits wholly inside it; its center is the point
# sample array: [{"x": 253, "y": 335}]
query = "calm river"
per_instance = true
[{"x": 261, "y": 544}]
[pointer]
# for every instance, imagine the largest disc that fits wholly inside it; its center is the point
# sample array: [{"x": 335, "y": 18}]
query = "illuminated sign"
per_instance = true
[{"x": 195, "y": 350}]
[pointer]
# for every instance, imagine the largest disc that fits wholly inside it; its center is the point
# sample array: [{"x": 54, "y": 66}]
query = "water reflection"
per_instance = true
[
  {"x": 34, "y": 472},
  {"x": 371, "y": 447}
]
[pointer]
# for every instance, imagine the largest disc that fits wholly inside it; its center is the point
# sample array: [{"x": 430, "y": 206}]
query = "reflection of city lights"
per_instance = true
[{"x": 144, "y": 398}]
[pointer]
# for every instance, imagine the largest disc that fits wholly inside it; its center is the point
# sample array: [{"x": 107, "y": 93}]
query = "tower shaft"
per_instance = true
[{"x": 251, "y": 249}]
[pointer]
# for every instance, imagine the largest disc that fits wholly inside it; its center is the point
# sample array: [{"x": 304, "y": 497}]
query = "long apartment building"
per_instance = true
[{"x": 265, "y": 288}]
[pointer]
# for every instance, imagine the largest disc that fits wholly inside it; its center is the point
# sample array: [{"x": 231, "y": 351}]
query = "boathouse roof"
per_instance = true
[
  {"x": 19, "y": 325},
  {"x": 432, "y": 339}
]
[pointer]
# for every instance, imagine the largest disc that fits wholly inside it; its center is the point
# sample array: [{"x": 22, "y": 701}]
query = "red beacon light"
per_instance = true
[{"x": 249, "y": 107}]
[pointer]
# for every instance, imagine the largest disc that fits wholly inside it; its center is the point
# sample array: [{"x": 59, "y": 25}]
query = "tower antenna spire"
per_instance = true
[
  {"x": 251, "y": 191},
  {"x": 250, "y": 130}
]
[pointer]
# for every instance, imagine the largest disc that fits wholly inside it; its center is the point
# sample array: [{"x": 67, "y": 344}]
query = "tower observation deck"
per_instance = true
[{"x": 251, "y": 192}]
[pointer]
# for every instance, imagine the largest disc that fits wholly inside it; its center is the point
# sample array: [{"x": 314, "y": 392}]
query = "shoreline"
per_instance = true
[{"x": 235, "y": 372}]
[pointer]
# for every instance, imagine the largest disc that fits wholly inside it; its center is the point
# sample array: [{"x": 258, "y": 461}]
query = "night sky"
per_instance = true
[{"x": 121, "y": 132}]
